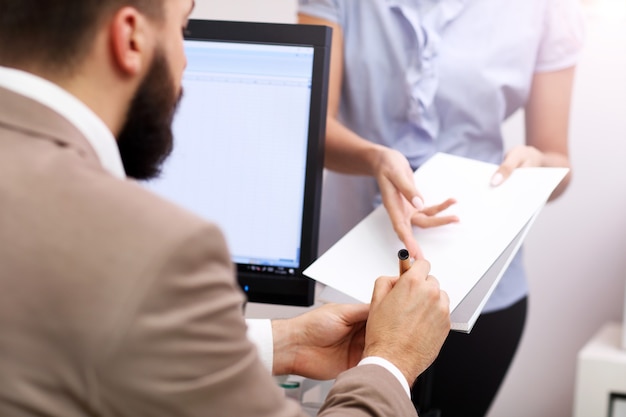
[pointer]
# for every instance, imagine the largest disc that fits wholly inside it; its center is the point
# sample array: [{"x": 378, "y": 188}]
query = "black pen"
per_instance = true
[{"x": 405, "y": 262}]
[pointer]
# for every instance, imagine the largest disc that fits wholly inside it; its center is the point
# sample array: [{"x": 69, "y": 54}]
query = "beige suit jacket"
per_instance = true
[{"x": 114, "y": 302}]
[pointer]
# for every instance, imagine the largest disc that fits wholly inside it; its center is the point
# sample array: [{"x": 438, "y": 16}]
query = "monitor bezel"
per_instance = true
[{"x": 261, "y": 287}]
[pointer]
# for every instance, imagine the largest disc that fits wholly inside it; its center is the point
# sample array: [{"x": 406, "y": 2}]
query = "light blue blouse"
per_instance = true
[{"x": 427, "y": 76}]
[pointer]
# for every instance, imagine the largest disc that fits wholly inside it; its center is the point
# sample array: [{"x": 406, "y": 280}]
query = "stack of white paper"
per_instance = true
[{"x": 493, "y": 223}]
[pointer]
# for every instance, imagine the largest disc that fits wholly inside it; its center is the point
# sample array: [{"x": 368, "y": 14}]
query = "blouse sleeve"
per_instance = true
[{"x": 563, "y": 35}]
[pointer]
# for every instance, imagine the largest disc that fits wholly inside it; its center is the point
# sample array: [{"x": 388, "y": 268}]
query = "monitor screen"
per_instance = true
[{"x": 248, "y": 148}]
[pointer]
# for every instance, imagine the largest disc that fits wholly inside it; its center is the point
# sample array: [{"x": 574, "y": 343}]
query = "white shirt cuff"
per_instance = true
[
  {"x": 375, "y": 360},
  {"x": 260, "y": 333}
]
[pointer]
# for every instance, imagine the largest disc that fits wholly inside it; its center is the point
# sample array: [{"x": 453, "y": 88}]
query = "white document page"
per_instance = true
[
  {"x": 460, "y": 254},
  {"x": 464, "y": 316}
]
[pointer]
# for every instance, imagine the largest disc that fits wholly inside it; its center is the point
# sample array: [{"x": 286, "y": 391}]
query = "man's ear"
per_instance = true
[{"x": 131, "y": 46}]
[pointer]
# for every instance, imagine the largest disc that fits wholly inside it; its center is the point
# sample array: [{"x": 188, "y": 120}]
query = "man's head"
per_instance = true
[
  {"x": 58, "y": 33},
  {"x": 123, "y": 58}
]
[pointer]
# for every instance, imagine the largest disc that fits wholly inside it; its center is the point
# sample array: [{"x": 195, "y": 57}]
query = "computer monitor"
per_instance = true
[{"x": 248, "y": 148}]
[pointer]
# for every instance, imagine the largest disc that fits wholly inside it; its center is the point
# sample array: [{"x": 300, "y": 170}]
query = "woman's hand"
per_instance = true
[
  {"x": 404, "y": 203},
  {"x": 520, "y": 156}
]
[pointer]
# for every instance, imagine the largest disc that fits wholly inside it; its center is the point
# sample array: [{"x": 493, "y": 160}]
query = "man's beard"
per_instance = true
[{"x": 146, "y": 138}]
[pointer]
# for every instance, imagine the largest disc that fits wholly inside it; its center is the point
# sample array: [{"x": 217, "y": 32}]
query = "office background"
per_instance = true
[{"x": 576, "y": 252}]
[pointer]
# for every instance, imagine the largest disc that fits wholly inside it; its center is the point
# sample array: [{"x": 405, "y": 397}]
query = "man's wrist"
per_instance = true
[
  {"x": 274, "y": 342},
  {"x": 283, "y": 347}
]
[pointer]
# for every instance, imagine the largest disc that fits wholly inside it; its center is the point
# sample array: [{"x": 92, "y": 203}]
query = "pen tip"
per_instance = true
[{"x": 403, "y": 254}]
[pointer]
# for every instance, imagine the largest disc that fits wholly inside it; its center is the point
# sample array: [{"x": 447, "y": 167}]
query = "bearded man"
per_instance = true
[{"x": 115, "y": 302}]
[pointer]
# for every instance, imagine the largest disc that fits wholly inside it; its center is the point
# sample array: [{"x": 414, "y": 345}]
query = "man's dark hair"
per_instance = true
[{"x": 57, "y": 33}]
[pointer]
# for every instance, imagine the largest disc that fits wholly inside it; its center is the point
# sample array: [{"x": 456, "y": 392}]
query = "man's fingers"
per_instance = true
[
  {"x": 382, "y": 287},
  {"x": 420, "y": 268},
  {"x": 445, "y": 299},
  {"x": 354, "y": 313}
]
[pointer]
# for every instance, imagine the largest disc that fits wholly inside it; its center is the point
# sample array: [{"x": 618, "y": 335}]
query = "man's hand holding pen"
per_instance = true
[{"x": 409, "y": 320}]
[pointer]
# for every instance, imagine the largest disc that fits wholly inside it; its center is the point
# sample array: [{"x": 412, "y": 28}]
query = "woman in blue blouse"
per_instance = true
[{"x": 410, "y": 78}]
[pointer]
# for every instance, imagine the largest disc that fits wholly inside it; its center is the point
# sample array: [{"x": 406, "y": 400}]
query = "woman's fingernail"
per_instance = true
[
  {"x": 418, "y": 203},
  {"x": 496, "y": 179}
]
